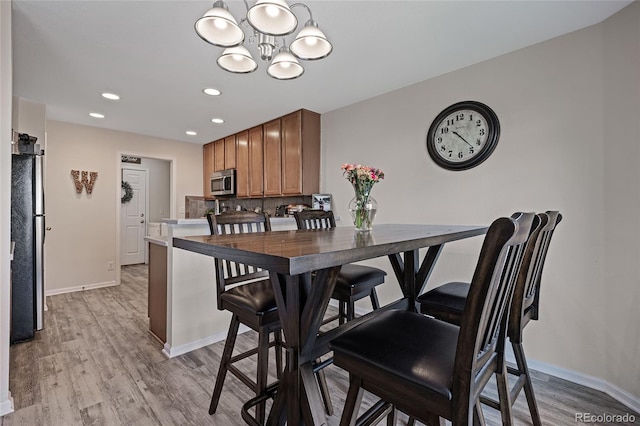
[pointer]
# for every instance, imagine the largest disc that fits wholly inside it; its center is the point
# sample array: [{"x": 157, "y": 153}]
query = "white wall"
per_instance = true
[
  {"x": 6, "y": 405},
  {"x": 85, "y": 227},
  {"x": 621, "y": 151},
  {"x": 550, "y": 99}
]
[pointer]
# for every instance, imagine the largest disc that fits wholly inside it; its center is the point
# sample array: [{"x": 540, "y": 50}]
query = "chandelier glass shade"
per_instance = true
[
  {"x": 268, "y": 21},
  {"x": 238, "y": 60},
  {"x": 285, "y": 66},
  {"x": 272, "y": 17},
  {"x": 218, "y": 27}
]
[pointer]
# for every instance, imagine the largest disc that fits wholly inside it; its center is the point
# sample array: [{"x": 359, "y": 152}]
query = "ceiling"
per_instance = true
[{"x": 66, "y": 53}]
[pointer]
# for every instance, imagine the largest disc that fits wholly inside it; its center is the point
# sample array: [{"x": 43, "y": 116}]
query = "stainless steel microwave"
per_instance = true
[{"x": 223, "y": 182}]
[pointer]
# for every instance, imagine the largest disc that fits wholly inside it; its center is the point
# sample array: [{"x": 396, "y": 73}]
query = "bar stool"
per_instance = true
[
  {"x": 247, "y": 293},
  {"x": 354, "y": 282},
  {"x": 431, "y": 369},
  {"x": 447, "y": 303}
]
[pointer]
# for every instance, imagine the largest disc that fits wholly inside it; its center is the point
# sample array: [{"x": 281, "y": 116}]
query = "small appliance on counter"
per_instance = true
[
  {"x": 281, "y": 210},
  {"x": 292, "y": 208}
]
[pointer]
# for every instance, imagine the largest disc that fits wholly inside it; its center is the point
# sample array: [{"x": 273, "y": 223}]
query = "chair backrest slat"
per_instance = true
[
  {"x": 230, "y": 273},
  {"x": 315, "y": 219}
]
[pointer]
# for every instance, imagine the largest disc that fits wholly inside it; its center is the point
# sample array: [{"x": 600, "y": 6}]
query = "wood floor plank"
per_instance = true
[{"x": 96, "y": 363}]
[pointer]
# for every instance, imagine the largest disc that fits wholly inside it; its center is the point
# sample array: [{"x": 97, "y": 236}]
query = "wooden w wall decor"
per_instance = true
[{"x": 87, "y": 181}]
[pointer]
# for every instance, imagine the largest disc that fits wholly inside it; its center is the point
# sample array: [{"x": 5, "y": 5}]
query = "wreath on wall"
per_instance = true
[{"x": 128, "y": 192}]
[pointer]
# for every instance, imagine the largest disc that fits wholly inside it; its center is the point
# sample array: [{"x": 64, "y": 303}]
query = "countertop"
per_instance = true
[
  {"x": 159, "y": 240},
  {"x": 203, "y": 220}
]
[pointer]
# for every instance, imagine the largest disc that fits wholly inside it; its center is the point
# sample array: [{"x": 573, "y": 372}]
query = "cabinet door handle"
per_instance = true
[{"x": 142, "y": 221}]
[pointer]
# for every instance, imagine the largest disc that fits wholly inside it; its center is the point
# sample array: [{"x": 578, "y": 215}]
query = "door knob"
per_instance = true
[
  {"x": 142, "y": 221},
  {"x": 141, "y": 214},
  {"x": 48, "y": 228}
]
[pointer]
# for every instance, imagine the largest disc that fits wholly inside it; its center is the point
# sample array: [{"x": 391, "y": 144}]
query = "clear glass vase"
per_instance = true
[{"x": 363, "y": 208}]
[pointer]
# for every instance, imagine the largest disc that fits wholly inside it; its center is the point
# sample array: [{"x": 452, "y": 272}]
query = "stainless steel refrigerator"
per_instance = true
[{"x": 27, "y": 232}]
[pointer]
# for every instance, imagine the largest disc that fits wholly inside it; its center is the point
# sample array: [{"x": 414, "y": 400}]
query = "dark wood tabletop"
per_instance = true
[{"x": 296, "y": 252}]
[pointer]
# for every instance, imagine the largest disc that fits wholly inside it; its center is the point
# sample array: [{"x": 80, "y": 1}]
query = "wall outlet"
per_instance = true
[{"x": 110, "y": 266}]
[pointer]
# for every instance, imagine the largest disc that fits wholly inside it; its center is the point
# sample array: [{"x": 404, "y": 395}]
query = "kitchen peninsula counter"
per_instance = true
[{"x": 182, "y": 289}]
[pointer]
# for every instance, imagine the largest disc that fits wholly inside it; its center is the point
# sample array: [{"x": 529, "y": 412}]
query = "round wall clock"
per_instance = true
[{"x": 463, "y": 135}]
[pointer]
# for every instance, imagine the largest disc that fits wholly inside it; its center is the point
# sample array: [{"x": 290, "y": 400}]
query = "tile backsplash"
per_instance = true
[{"x": 197, "y": 206}]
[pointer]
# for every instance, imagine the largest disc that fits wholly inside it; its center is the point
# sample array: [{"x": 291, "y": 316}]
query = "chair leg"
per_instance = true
[
  {"x": 224, "y": 362},
  {"x": 504, "y": 395},
  {"x": 352, "y": 402},
  {"x": 277, "y": 335},
  {"x": 374, "y": 299},
  {"x": 351, "y": 309},
  {"x": 262, "y": 372},
  {"x": 478, "y": 415},
  {"x": 521, "y": 361},
  {"x": 392, "y": 417},
  {"x": 342, "y": 312},
  {"x": 324, "y": 392}
]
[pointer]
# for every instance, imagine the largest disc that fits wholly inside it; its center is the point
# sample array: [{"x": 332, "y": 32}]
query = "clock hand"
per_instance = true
[{"x": 456, "y": 133}]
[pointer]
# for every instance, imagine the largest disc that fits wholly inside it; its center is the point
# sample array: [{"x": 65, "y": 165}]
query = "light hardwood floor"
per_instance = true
[{"x": 95, "y": 363}]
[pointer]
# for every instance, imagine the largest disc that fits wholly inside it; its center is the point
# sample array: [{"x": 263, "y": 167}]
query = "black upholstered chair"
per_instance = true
[
  {"x": 354, "y": 282},
  {"x": 252, "y": 304},
  {"x": 248, "y": 294},
  {"x": 431, "y": 369},
  {"x": 447, "y": 303}
]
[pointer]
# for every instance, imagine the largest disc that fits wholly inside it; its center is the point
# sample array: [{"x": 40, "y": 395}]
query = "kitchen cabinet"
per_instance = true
[
  {"x": 272, "y": 158},
  {"x": 207, "y": 167},
  {"x": 230, "y": 152},
  {"x": 300, "y": 141},
  {"x": 242, "y": 164},
  {"x": 218, "y": 157},
  {"x": 278, "y": 158},
  {"x": 256, "y": 159}
]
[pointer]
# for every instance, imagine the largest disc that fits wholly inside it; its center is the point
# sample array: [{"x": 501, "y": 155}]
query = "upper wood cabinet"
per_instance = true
[
  {"x": 207, "y": 167},
  {"x": 256, "y": 161},
  {"x": 218, "y": 147},
  {"x": 242, "y": 164},
  {"x": 230, "y": 152},
  {"x": 278, "y": 158},
  {"x": 272, "y": 158},
  {"x": 300, "y": 139}
]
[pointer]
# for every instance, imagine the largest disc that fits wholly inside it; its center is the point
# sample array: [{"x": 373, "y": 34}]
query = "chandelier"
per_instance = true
[{"x": 267, "y": 21}]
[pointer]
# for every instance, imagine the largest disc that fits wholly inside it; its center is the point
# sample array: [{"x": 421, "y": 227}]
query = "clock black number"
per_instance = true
[{"x": 463, "y": 135}]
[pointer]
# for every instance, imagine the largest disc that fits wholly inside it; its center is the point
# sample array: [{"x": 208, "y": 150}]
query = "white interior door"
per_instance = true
[{"x": 133, "y": 219}]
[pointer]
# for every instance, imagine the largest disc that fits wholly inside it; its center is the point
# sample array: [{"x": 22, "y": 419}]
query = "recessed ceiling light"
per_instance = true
[
  {"x": 217, "y": 120},
  {"x": 191, "y": 133},
  {"x": 96, "y": 115},
  {"x": 212, "y": 92},
  {"x": 111, "y": 96}
]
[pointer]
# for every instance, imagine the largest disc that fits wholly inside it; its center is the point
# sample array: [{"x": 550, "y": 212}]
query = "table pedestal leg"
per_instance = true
[{"x": 301, "y": 306}]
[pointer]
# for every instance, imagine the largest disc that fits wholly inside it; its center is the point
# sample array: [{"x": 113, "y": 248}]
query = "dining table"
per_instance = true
[{"x": 303, "y": 267}]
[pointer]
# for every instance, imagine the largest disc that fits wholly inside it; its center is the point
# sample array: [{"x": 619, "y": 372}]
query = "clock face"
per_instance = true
[{"x": 463, "y": 135}]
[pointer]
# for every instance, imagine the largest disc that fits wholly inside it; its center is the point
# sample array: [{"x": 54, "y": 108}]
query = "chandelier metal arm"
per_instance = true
[{"x": 302, "y": 5}]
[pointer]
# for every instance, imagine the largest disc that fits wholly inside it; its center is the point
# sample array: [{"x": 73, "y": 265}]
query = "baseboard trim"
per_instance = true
[
  {"x": 6, "y": 407},
  {"x": 172, "y": 352},
  {"x": 80, "y": 288},
  {"x": 629, "y": 400}
]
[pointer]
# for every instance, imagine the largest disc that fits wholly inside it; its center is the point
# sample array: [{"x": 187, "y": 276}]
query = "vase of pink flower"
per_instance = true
[{"x": 363, "y": 207}]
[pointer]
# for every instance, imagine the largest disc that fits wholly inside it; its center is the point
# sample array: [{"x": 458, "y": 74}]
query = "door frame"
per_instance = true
[{"x": 118, "y": 191}]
